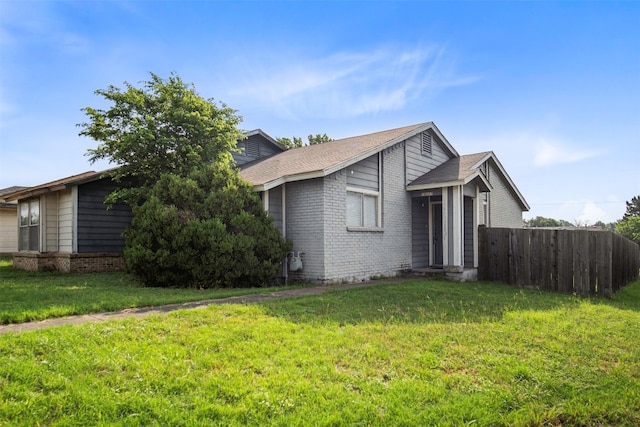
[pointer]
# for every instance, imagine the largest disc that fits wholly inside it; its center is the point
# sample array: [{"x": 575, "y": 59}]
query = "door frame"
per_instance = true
[{"x": 432, "y": 244}]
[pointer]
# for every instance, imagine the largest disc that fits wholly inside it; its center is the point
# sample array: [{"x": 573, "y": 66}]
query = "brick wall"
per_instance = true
[
  {"x": 357, "y": 255},
  {"x": 68, "y": 263}
]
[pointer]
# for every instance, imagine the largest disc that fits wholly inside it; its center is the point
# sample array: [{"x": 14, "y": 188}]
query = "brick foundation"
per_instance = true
[{"x": 68, "y": 263}]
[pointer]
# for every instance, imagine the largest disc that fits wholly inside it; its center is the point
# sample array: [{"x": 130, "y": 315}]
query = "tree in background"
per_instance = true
[
  {"x": 541, "y": 221},
  {"x": 297, "y": 142},
  {"x": 195, "y": 223},
  {"x": 629, "y": 225},
  {"x": 633, "y": 207}
]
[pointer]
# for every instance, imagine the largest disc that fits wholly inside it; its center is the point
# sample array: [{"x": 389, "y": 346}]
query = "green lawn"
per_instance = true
[
  {"x": 415, "y": 353},
  {"x": 28, "y": 296}
]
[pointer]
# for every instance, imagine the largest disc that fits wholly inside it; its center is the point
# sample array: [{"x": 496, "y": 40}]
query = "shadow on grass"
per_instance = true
[{"x": 434, "y": 301}]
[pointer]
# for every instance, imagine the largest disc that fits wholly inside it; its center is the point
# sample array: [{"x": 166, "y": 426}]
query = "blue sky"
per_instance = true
[{"x": 553, "y": 88}]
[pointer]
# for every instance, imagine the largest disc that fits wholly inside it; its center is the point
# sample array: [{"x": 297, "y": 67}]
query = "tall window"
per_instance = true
[
  {"x": 364, "y": 193},
  {"x": 29, "y": 226}
]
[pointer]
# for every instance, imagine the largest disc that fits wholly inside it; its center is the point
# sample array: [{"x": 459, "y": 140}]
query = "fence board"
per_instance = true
[{"x": 571, "y": 261}]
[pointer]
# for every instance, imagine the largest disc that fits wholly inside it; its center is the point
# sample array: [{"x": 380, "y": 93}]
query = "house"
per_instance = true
[
  {"x": 8, "y": 221},
  {"x": 65, "y": 225},
  {"x": 386, "y": 202},
  {"x": 375, "y": 204}
]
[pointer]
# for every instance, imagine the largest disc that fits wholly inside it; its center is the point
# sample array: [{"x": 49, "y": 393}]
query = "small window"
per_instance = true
[
  {"x": 426, "y": 144},
  {"x": 29, "y": 238},
  {"x": 362, "y": 210}
]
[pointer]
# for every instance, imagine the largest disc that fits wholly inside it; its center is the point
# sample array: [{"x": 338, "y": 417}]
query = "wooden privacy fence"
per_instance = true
[{"x": 584, "y": 262}]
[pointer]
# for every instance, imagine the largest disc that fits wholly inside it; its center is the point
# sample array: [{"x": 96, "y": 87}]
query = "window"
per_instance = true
[
  {"x": 29, "y": 226},
  {"x": 362, "y": 209},
  {"x": 426, "y": 144}
]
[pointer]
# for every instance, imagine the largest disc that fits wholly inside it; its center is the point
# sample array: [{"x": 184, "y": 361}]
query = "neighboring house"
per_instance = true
[
  {"x": 377, "y": 204},
  {"x": 8, "y": 221},
  {"x": 386, "y": 202},
  {"x": 65, "y": 225}
]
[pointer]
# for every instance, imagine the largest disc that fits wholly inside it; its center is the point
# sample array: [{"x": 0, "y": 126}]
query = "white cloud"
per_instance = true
[
  {"x": 554, "y": 152},
  {"x": 347, "y": 84}
]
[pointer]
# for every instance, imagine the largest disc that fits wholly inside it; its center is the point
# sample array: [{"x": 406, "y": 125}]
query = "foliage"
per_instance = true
[
  {"x": 541, "y": 221},
  {"x": 297, "y": 142},
  {"x": 633, "y": 207},
  {"x": 419, "y": 353},
  {"x": 206, "y": 230},
  {"x": 629, "y": 227},
  {"x": 162, "y": 127}
]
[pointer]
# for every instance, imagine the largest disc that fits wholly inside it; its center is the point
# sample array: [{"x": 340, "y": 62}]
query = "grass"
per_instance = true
[
  {"x": 28, "y": 296},
  {"x": 415, "y": 353}
]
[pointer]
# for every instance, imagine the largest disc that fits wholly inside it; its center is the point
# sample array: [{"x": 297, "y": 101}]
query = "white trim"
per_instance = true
[
  {"x": 380, "y": 157},
  {"x": 457, "y": 228},
  {"x": 445, "y": 226},
  {"x": 363, "y": 191},
  {"x": 265, "y": 201}
]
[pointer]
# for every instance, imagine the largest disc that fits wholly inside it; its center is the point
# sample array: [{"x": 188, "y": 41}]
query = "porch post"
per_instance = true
[{"x": 457, "y": 229}]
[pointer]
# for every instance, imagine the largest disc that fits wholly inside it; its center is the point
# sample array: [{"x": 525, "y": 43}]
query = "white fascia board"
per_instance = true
[
  {"x": 448, "y": 145},
  {"x": 511, "y": 183},
  {"x": 434, "y": 185},
  {"x": 289, "y": 178},
  {"x": 481, "y": 176}
]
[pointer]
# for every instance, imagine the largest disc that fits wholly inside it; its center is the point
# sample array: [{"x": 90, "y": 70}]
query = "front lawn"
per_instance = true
[
  {"x": 28, "y": 296},
  {"x": 414, "y": 353}
]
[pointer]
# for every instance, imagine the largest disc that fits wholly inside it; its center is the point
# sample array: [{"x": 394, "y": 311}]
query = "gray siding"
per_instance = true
[
  {"x": 419, "y": 164},
  {"x": 504, "y": 209},
  {"x": 8, "y": 230},
  {"x": 275, "y": 207},
  {"x": 50, "y": 216},
  {"x": 65, "y": 221},
  {"x": 364, "y": 174},
  {"x": 253, "y": 148},
  {"x": 420, "y": 233},
  {"x": 99, "y": 229},
  {"x": 468, "y": 232}
]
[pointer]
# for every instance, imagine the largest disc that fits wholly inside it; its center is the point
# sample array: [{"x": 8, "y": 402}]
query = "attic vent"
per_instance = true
[
  {"x": 426, "y": 144},
  {"x": 253, "y": 148}
]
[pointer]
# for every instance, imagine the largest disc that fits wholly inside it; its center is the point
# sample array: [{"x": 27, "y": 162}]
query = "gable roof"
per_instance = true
[
  {"x": 314, "y": 161},
  {"x": 456, "y": 171},
  {"x": 266, "y": 137},
  {"x": 56, "y": 185},
  {"x": 464, "y": 169}
]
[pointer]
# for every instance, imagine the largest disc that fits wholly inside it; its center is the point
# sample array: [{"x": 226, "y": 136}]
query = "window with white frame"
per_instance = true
[
  {"x": 29, "y": 239},
  {"x": 363, "y": 193}
]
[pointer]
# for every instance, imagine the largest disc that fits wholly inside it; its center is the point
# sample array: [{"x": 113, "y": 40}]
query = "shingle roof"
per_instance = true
[
  {"x": 51, "y": 186},
  {"x": 322, "y": 159},
  {"x": 459, "y": 169}
]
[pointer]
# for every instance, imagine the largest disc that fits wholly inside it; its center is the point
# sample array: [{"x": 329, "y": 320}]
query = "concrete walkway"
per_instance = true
[{"x": 145, "y": 311}]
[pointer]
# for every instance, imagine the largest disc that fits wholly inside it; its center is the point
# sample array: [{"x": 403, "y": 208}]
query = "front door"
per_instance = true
[{"x": 436, "y": 234}]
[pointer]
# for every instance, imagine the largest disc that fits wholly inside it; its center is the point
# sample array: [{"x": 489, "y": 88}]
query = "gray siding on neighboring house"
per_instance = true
[
  {"x": 50, "y": 217},
  {"x": 419, "y": 164},
  {"x": 304, "y": 215},
  {"x": 420, "y": 234},
  {"x": 99, "y": 229},
  {"x": 65, "y": 221},
  {"x": 504, "y": 209},
  {"x": 361, "y": 254},
  {"x": 8, "y": 230},
  {"x": 253, "y": 148}
]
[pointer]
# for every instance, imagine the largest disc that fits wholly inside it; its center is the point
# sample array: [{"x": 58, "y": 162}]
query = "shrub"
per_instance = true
[{"x": 206, "y": 230}]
